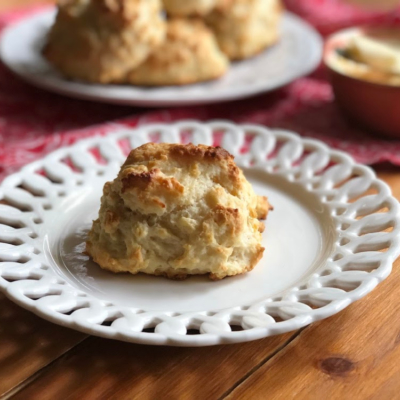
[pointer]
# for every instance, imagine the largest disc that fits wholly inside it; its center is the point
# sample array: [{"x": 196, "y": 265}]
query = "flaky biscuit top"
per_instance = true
[
  {"x": 158, "y": 178},
  {"x": 179, "y": 210}
]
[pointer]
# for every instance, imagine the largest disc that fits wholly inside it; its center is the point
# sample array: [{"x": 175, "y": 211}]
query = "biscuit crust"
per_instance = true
[
  {"x": 189, "y": 54},
  {"x": 101, "y": 40},
  {"x": 178, "y": 210},
  {"x": 244, "y": 28},
  {"x": 184, "y": 8}
]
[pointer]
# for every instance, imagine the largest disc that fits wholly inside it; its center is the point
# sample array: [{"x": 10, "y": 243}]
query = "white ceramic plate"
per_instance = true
[
  {"x": 297, "y": 54},
  {"x": 325, "y": 241}
]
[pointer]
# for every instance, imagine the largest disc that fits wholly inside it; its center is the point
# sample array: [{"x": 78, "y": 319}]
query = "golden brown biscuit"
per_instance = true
[
  {"x": 179, "y": 210},
  {"x": 101, "y": 40},
  {"x": 189, "y": 54},
  {"x": 184, "y": 8},
  {"x": 245, "y": 27}
]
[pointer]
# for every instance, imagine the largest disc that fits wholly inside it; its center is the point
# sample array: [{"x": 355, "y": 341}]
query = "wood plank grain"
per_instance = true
[
  {"x": 392, "y": 177},
  {"x": 105, "y": 369},
  {"x": 353, "y": 355},
  {"x": 28, "y": 343}
]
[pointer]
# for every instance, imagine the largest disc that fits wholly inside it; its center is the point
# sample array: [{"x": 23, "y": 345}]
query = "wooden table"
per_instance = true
[{"x": 353, "y": 355}]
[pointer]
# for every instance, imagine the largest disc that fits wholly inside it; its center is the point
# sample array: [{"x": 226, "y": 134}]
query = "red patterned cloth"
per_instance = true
[
  {"x": 34, "y": 122},
  {"x": 331, "y": 15}
]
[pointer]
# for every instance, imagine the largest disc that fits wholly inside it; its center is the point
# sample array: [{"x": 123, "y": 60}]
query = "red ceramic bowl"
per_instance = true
[{"x": 373, "y": 105}]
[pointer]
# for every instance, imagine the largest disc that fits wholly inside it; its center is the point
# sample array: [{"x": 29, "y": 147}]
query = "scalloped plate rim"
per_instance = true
[{"x": 206, "y": 339}]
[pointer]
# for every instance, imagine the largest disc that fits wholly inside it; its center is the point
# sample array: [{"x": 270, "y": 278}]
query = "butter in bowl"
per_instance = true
[{"x": 364, "y": 64}]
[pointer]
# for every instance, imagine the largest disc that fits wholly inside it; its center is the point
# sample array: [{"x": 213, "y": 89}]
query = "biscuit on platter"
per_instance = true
[
  {"x": 189, "y": 54},
  {"x": 177, "y": 210},
  {"x": 183, "y": 8},
  {"x": 246, "y": 27},
  {"x": 101, "y": 40}
]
